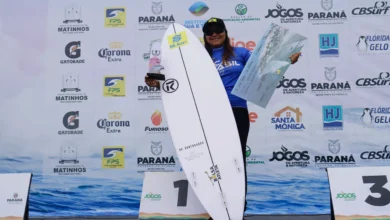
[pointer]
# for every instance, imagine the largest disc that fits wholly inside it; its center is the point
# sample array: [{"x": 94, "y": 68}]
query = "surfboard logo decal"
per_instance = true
[
  {"x": 177, "y": 40},
  {"x": 170, "y": 85},
  {"x": 215, "y": 174}
]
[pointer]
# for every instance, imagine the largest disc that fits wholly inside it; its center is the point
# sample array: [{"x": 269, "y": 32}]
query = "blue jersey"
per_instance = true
[{"x": 231, "y": 72}]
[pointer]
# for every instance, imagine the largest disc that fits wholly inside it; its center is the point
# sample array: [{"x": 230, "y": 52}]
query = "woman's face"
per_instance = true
[{"x": 215, "y": 36}]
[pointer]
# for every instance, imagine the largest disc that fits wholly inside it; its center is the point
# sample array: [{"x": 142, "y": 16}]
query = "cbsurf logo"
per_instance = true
[
  {"x": 288, "y": 119},
  {"x": 379, "y": 155},
  {"x": 379, "y": 8},
  {"x": 382, "y": 81}
]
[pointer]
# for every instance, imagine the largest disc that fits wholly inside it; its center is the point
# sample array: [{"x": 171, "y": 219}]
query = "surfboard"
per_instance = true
[{"x": 202, "y": 124}]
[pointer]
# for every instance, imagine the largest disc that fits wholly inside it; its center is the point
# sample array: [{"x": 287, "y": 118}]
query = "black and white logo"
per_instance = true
[
  {"x": 71, "y": 122},
  {"x": 382, "y": 81},
  {"x": 383, "y": 155},
  {"x": 380, "y": 8},
  {"x": 292, "y": 86},
  {"x": 70, "y": 90},
  {"x": 73, "y": 23},
  {"x": 73, "y": 51},
  {"x": 335, "y": 160},
  {"x": 327, "y": 16},
  {"x": 291, "y": 15},
  {"x": 158, "y": 21},
  {"x": 170, "y": 85},
  {"x": 293, "y": 159},
  {"x": 330, "y": 88}
]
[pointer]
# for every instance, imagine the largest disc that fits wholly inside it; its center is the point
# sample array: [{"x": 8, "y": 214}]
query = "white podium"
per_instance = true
[
  {"x": 168, "y": 195},
  {"x": 14, "y": 194},
  {"x": 360, "y": 192}
]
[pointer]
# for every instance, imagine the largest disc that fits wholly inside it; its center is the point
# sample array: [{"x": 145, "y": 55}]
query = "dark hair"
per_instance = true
[{"x": 228, "y": 49}]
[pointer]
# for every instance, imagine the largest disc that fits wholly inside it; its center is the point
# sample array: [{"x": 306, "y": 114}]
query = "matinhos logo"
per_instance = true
[
  {"x": 331, "y": 88},
  {"x": 336, "y": 160},
  {"x": 380, "y": 8},
  {"x": 293, "y": 159},
  {"x": 382, "y": 155},
  {"x": 156, "y": 163},
  {"x": 113, "y": 124},
  {"x": 71, "y": 122},
  {"x": 214, "y": 175},
  {"x": 327, "y": 17},
  {"x": 376, "y": 118},
  {"x": 73, "y": 23},
  {"x": 156, "y": 22},
  {"x": 292, "y": 86},
  {"x": 68, "y": 163},
  {"x": 288, "y": 119},
  {"x": 115, "y": 53},
  {"x": 73, "y": 51},
  {"x": 373, "y": 45},
  {"x": 291, "y": 15},
  {"x": 382, "y": 81},
  {"x": 71, "y": 92},
  {"x": 15, "y": 199}
]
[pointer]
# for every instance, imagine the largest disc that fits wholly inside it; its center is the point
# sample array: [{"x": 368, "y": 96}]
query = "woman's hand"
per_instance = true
[
  {"x": 152, "y": 82},
  {"x": 294, "y": 57}
]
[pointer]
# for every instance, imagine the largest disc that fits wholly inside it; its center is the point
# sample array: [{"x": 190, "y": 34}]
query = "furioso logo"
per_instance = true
[{"x": 156, "y": 118}]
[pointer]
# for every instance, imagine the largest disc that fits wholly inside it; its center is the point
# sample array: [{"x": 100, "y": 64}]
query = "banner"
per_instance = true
[{"x": 75, "y": 110}]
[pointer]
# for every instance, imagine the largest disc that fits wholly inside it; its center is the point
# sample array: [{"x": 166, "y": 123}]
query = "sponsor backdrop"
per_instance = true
[{"x": 75, "y": 110}]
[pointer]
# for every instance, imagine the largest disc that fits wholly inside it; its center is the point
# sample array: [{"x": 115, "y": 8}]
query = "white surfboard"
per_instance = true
[{"x": 202, "y": 124}]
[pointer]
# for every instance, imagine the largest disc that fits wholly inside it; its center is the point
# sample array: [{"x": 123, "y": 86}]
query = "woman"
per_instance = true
[{"x": 230, "y": 62}]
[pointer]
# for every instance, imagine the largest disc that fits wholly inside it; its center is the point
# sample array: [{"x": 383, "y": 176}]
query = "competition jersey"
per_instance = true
[{"x": 230, "y": 72}]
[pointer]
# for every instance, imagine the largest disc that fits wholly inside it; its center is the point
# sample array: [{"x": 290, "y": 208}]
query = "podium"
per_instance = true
[
  {"x": 168, "y": 195},
  {"x": 360, "y": 192},
  {"x": 14, "y": 195}
]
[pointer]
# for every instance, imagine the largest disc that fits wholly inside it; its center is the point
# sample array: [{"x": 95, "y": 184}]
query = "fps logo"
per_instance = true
[
  {"x": 114, "y": 86},
  {"x": 329, "y": 45},
  {"x": 293, "y": 159},
  {"x": 115, "y": 17},
  {"x": 113, "y": 157},
  {"x": 71, "y": 122},
  {"x": 286, "y": 15},
  {"x": 332, "y": 116},
  {"x": 73, "y": 51},
  {"x": 292, "y": 86}
]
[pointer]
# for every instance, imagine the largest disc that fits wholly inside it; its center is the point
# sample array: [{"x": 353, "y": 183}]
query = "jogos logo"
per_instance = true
[
  {"x": 292, "y": 86},
  {"x": 301, "y": 158},
  {"x": 286, "y": 15},
  {"x": 153, "y": 197},
  {"x": 114, "y": 86},
  {"x": 115, "y": 17},
  {"x": 284, "y": 119},
  {"x": 113, "y": 157},
  {"x": 346, "y": 196},
  {"x": 332, "y": 116}
]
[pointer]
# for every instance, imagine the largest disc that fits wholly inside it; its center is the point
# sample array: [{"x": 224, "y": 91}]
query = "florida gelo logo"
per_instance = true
[{"x": 177, "y": 40}]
